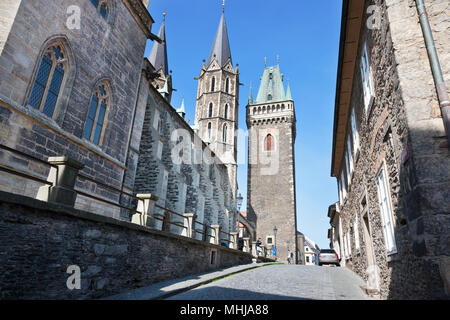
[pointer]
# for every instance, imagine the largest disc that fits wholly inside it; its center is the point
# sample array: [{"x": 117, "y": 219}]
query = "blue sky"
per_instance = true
[{"x": 305, "y": 35}]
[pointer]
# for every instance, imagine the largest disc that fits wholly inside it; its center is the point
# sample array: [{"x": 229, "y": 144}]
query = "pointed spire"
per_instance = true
[
  {"x": 250, "y": 95},
  {"x": 288, "y": 91},
  {"x": 181, "y": 111},
  {"x": 158, "y": 55},
  {"x": 221, "y": 47}
]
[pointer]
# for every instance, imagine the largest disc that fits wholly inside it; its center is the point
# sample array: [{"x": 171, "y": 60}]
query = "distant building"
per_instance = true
[{"x": 307, "y": 250}]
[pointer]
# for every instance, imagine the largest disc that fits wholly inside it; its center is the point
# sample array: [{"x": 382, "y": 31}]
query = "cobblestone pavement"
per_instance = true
[{"x": 282, "y": 282}]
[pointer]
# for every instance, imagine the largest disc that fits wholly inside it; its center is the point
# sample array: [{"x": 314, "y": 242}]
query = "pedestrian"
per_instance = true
[
  {"x": 258, "y": 247},
  {"x": 289, "y": 257}
]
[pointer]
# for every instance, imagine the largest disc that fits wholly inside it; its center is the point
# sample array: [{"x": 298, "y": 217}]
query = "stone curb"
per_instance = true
[{"x": 165, "y": 289}]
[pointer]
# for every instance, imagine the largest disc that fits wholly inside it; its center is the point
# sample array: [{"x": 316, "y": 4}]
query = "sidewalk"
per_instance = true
[{"x": 169, "y": 288}]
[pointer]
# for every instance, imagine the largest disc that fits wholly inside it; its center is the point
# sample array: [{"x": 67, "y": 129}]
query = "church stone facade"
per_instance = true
[
  {"x": 86, "y": 92},
  {"x": 205, "y": 182},
  {"x": 54, "y": 74},
  {"x": 271, "y": 170}
]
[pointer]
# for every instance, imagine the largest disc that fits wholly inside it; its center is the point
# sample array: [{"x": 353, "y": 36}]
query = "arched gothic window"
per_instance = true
[
  {"x": 269, "y": 143},
  {"x": 94, "y": 128},
  {"x": 224, "y": 133},
  {"x": 101, "y": 6},
  {"x": 210, "y": 111},
  {"x": 48, "y": 81},
  {"x": 213, "y": 83},
  {"x": 227, "y": 86},
  {"x": 226, "y": 112},
  {"x": 209, "y": 131}
]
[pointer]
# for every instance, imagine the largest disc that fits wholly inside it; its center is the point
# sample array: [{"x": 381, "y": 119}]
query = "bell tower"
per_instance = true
[
  {"x": 271, "y": 201},
  {"x": 217, "y": 104}
]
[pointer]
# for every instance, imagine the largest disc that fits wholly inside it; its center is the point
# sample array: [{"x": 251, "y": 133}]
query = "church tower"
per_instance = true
[
  {"x": 216, "y": 114},
  {"x": 271, "y": 202},
  {"x": 158, "y": 58}
]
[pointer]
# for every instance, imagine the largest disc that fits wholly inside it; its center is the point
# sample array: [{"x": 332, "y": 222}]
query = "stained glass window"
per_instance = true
[
  {"x": 96, "y": 116},
  {"x": 101, "y": 6},
  {"x": 48, "y": 81}
]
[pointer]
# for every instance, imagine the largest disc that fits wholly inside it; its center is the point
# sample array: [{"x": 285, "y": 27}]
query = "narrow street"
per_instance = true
[{"x": 282, "y": 282}]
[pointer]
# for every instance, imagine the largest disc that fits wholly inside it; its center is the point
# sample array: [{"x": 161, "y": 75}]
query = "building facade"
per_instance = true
[
  {"x": 70, "y": 87},
  {"x": 199, "y": 182},
  {"x": 82, "y": 89},
  {"x": 390, "y": 153},
  {"x": 271, "y": 165}
]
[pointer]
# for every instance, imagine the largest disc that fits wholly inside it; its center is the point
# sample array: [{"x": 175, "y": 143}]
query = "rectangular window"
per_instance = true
[
  {"x": 386, "y": 210},
  {"x": 343, "y": 185},
  {"x": 354, "y": 133},
  {"x": 350, "y": 157},
  {"x": 366, "y": 78},
  {"x": 349, "y": 246},
  {"x": 345, "y": 246},
  {"x": 356, "y": 232}
]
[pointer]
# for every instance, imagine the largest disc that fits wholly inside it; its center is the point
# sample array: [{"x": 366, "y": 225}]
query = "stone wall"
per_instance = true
[
  {"x": 200, "y": 188},
  {"x": 402, "y": 131},
  {"x": 39, "y": 241}
]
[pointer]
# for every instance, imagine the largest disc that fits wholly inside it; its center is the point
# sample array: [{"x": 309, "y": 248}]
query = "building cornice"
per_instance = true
[
  {"x": 352, "y": 16},
  {"x": 140, "y": 13}
]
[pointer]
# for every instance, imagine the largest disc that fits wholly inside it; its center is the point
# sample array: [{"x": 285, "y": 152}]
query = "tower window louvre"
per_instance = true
[
  {"x": 213, "y": 84},
  {"x": 210, "y": 111}
]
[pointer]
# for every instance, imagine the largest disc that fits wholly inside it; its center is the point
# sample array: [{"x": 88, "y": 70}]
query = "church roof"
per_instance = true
[
  {"x": 158, "y": 55},
  {"x": 271, "y": 88},
  {"x": 221, "y": 47}
]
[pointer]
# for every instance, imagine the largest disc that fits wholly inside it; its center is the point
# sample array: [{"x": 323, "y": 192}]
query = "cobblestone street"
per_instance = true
[{"x": 282, "y": 282}]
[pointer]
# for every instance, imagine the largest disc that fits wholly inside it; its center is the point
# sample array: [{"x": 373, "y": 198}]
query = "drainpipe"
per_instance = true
[{"x": 439, "y": 82}]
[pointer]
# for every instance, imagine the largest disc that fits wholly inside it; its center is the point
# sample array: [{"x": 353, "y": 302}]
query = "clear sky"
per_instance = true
[{"x": 305, "y": 35}]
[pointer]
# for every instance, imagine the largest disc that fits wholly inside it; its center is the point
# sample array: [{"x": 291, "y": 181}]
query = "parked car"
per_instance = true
[{"x": 328, "y": 256}]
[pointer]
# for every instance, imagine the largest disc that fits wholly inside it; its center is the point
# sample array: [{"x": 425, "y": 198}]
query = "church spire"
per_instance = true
[
  {"x": 158, "y": 55},
  {"x": 288, "y": 91},
  {"x": 221, "y": 47},
  {"x": 250, "y": 95}
]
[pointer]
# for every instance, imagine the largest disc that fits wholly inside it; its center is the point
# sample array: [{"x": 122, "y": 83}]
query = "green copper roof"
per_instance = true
[
  {"x": 288, "y": 92},
  {"x": 250, "y": 95},
  {"x": 271, "y": 88}
]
